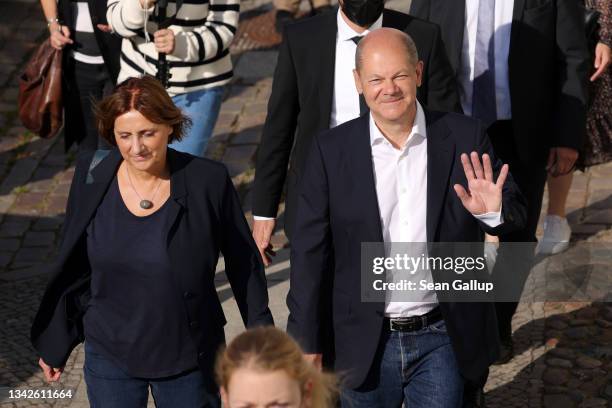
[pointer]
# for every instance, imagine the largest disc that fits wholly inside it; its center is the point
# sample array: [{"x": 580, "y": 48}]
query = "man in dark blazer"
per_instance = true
[
  {"x": 313, "y": 91},
  {"x": 538, "y": 97},
  {"x": 400, "y": 173}
]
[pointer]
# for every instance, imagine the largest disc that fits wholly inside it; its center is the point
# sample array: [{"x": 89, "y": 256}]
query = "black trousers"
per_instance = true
[
  {"x": 531, "y": 178},
  {"x": 84, "y": 85}
]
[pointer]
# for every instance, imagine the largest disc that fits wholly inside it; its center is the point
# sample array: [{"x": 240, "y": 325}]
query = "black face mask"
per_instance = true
[{"x": 363, "y": 12}]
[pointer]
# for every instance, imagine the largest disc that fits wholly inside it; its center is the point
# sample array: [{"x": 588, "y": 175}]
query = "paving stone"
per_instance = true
[
  {"x": 39, "y": 239},
  {"x": 593, "y": 403},
  {"x": 9, "y": 244},
  {"x": 556, "y": 376},
  {"x": 599, "y": 217},
  {"x": 47, "y": 224},
  {"x": 13, "y": 228},
  {"x": 33, "y": 255},
  {"x": 241, "y": 154},
  {"x": 559, "y": 362},
  {"x": 250, "y": 136},
  {"x": 558, "y": 400},
  {"x": 30, "y": 199},
  {"x": 19, "y": 175},
  {"x": 5, "y": 260}
]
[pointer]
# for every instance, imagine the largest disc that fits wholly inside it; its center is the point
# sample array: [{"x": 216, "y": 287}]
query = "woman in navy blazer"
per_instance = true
[{"x": 134, "y": 277}]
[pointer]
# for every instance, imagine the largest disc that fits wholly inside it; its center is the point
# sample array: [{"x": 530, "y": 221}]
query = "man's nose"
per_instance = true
[{"x": 390, "y": 87}]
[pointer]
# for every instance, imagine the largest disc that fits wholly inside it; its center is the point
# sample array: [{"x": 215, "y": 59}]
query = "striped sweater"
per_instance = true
[{"x": 203, "y": 31}]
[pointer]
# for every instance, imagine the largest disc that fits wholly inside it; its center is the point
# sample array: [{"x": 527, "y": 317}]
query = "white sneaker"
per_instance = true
[{"x": 556, "y": 237}]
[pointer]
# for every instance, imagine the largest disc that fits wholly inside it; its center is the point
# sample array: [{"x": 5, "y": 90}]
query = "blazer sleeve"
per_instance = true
[
  {"x": 243, "y": 264},
  {"x": 442, "y": 92},
  {"x": 278, "y": 135},
  {"x": 572, "y": 75},
  {"x": 311, "y": 254},
  {"x": 52, "y": 334},
  {"x": 514, "y": 205}
]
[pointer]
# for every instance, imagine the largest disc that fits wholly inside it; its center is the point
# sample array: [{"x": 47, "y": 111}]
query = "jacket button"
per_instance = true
[
  {"x": 201, "y": 355},
  {"x": 194, "y": 325},
  {"x": 187, "y": 295}
]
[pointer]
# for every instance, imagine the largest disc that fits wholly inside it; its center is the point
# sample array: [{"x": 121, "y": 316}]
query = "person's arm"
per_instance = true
[
  {"x": 213, "y": 37},
  {"x": 603, "y": 51},
  {"x": 572, "y": 78},
  {"x": 275, "y": 148},
  {"x": 243, "y": 264},
  {"x": 311, "y": 255},
  {"x": 59, "y": 34},
  {"x": 511, "y": 214},
  {"x": 442, "y": 92},
  {"x": 278, "y": 135},
  {"x": 127, "y": 17}
]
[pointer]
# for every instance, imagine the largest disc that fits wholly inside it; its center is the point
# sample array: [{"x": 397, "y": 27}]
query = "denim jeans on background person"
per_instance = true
[
  {"x": 418, "y": 368},
  {"x": 203, "y": 108},
  {"x": 109, "y": 386}
]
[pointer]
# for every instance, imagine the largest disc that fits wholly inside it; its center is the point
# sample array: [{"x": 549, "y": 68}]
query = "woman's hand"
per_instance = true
[
  {"x": 602, "y": 60},
  {"x": 51, "y": 374},
  {"x": 59, "y": 35},
  {"x": 164, "y": 41}
]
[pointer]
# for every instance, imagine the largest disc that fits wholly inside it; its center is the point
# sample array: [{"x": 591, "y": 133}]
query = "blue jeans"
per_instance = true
[
  {"x": 416, "y": 368},
  {"x": 108, "y": 386},
  {"x": 203, "y": 108}
]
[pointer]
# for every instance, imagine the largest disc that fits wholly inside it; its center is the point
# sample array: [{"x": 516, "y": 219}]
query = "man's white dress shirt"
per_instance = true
[
  {"x": 345, "y": 104},
  {"x": 401, "y": 188},
  {"x": 503, "y": 26}
]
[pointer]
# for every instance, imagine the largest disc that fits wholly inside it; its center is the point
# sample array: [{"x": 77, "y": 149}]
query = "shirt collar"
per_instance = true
[
  {"x": 346, "y": 33},
  {"x": 419, "y": 127}
]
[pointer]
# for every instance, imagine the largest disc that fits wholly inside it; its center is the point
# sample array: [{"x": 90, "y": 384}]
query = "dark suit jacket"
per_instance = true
[
  {"x": 548, "y": 69},
  {"x": 302, "y": 96},
  {"x": 110, "y": 44},
  {"x": 330, "y": 226},
  {"x": 205, "y": 216}
]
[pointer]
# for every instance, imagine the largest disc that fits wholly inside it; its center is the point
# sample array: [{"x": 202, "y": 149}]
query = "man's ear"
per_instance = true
[
  {"x": 419, "y": 73},
  {"x": 357, "y": 81}
]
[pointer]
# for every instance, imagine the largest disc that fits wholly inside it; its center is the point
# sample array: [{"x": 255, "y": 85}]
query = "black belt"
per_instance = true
[{"x": 413, "y": 323}]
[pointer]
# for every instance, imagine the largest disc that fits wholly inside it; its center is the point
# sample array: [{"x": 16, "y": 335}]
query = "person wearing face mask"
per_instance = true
[
  {"x": 134, "y": 276},
  {"x": 313, "y": 90}
]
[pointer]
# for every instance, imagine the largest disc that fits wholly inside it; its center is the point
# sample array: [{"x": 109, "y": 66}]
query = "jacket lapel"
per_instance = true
[
  {"x": 178, "y": 191},
  {"x": 361, "y": 168},
  {"x": 440, "y": 160},
  {"x": 93, "y": 189},
  {"x": 327, "y": 64}
]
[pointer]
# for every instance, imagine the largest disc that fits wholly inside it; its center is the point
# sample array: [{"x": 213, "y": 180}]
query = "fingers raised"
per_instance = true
[
  {"x": 476, "y": 165},
  {"x": 467, "y": 167},
  {"x": 488, "y": 169},
  {"x": 503, "y": 174}
]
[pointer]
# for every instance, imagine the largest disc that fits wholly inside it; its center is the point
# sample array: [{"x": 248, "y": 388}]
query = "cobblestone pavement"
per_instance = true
[{"x": 563, "y": 349}]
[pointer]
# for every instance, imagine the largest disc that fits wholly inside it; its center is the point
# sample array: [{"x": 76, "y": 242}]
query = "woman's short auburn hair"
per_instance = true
[{"x": 147, "y": 96}]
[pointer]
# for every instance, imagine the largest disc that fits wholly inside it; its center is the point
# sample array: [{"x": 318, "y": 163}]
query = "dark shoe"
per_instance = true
[
  {"x": 322, "y": 9},
  {"x": 283, "y": 17},
  {"x": 506, "y": 351}
]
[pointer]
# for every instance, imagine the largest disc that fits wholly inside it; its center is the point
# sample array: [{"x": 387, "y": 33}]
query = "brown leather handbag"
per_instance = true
[{"x": 40, "y": 92}]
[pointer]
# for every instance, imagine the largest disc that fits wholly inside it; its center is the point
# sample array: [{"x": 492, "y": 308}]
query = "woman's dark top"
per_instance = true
[{"x": 135, "y": 316}]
